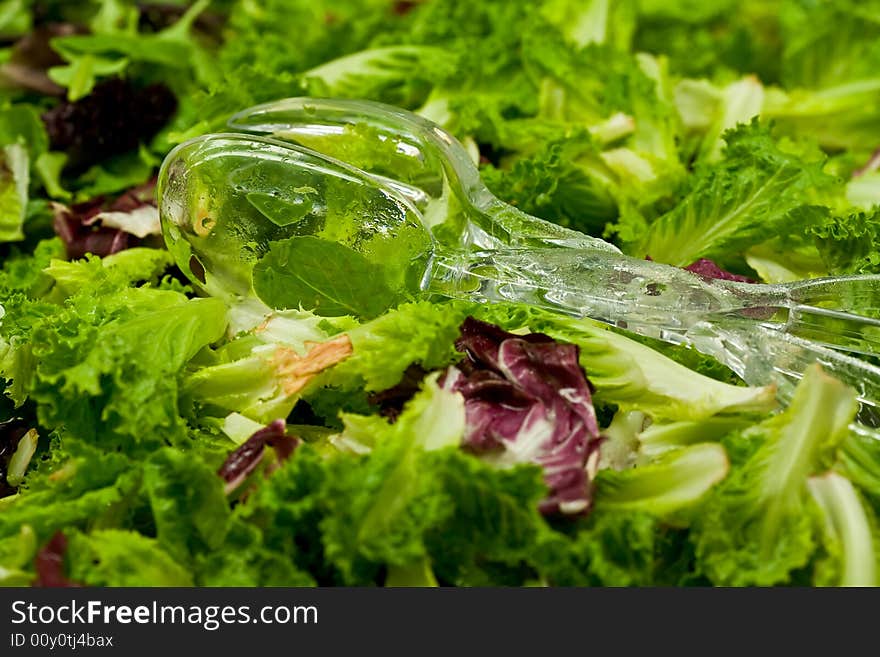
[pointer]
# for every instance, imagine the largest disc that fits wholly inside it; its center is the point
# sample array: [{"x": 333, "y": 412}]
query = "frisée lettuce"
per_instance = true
[{"x": 350, "y": 434}]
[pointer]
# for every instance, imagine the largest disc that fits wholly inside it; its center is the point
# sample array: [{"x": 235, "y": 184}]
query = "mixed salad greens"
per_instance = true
[{"x": 151, "y": 435}]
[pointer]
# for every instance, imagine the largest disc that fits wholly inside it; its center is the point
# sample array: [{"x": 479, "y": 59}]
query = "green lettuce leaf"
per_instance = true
[
  {"x": 17, "y": 553},
  {"x": 677, "y": 480},
  {"x": 620, "y": 548},
  {"x": 755, "y": 192},
  {"x": 79, "y": 487},
  {"x": 94, "y": 381},
  {"x": 421, "y": 332},
  {"x": 329, "y": 279},
  {"x": 244, "y": 560},
  {"x": 14, "y": 179},
  {"x": 851, "y": 531},
  {"x": 188, "y": 504},
  {"x": 113, "y": 557},
  {"x": 492, "y": 525},
  {"x": 761, "y": 524}
]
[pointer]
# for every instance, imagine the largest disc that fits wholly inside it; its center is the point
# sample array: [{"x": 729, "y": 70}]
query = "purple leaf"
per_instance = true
[
  {"x": 80, "y": 226},
  {"x": 403, "y": 7},
  {"x": 71, "y": 225},
  {"x": 244, "y": 460},
  {"x": 708, "y": 269},
  {"x": 392, "y": 400},
  {"x": 527, "y": 400},
  {"x": 113, "y": 119},
  {"x": 49, "y": 563}
]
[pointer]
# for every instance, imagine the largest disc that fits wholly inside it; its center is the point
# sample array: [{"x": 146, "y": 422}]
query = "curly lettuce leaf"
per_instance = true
[
  {"x": 186, "y": 498},
  {"x": 114, "y": 557},
  {"x": 77, "y": 487},
  {"x": 760, "y": 525},
  {"x": 244, "y": 560},
  {"x": 755, "y": 192},
  {"x": 94, "y": 380},
  {"x": 562, "y": 181},
  {"x": 620, "y": 548},
  {"x": 92, "y": 348},
  {"x": 421, "y": 332}
]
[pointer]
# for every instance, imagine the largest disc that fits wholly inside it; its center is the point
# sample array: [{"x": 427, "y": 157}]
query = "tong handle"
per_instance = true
[
  {"x": 620, "y": 290},
  {"x": 764, "y": 333},
  {"x": 601, "y": 284}
]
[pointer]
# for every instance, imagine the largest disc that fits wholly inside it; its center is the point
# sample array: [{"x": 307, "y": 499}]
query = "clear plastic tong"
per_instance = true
[{"x": 478, "y": 247}]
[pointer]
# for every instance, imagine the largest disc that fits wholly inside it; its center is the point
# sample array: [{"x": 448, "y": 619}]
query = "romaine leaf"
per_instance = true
[
  {"x": 260, "y": 380},
  {"x": 675, "y": 481},
  {"x": 738, "y": 102},
  {"x": 860, "y": 462},
  {"x": 850, "y": 527}
]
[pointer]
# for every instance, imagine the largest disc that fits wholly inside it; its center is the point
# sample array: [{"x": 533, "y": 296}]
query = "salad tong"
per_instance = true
[{"x": 405, "y": 194}]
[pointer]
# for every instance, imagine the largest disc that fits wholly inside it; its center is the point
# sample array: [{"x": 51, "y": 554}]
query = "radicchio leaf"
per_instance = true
[
  {"x": 708, "y": 269},
  {"x": 403, "y": 7},
  {"x": 49, "y": 563},
  {"x": 113, "y": 119},
  {"x": 527, "y": 400},
  {"x": 392, "y": 400},
  {"x": 135, "y": 211},
  {"x": 80, "y": 237},
  {"x": 103, "y": 228},
  {"x": 244, "y": 460}
]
